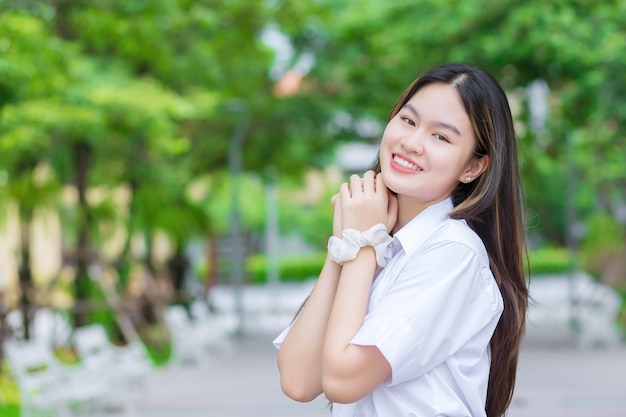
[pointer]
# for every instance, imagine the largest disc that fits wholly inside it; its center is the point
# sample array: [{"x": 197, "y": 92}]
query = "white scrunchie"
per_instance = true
[{"x": 346, "y": 249}]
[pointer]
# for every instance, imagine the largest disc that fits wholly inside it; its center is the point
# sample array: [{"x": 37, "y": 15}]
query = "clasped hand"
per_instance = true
[{"x": 363, "y": 203}]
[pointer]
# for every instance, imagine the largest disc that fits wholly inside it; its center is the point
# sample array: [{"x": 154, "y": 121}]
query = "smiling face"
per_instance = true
[{"x": 428, "y": 148}]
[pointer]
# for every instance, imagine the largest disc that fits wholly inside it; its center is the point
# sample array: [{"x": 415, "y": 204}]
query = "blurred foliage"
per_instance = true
[
  {"x": 9, "y": 404},
  {"x": 549, "y": 260},
  {"x": 121, "y": 114},
  {"x": 290, "y": 269},
  {"x": 573, "y": 46},
  {"x": 10, "y": 410},
  {"x": 313, "y": 222},
  {"x": 135, "y": 106},
  {"x": 543, "y": 261},
  {"x": 107, "y": 96},
  {"x": 252, "y": 202},
  {"x": 604, "y": 239}
]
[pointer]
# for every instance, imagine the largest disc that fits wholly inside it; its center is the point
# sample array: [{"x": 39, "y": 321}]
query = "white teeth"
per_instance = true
[{"x": 404, "y": 163}]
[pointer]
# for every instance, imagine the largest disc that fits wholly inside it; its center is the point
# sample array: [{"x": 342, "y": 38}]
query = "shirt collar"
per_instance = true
[{"x": 421, "y": 226}]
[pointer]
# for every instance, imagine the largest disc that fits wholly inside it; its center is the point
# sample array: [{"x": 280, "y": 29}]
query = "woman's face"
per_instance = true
[{"x": 427, "y": 148}]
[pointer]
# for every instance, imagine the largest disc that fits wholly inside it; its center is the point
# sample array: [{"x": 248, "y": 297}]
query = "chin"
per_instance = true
[{"x": 390, "y": 185}]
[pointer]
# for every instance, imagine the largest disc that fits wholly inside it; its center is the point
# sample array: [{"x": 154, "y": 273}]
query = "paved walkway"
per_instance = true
[
  {"x": 555, "y": 379},
  {"x": 241, "y": 383},
  {"x": 570, "y": 382}
]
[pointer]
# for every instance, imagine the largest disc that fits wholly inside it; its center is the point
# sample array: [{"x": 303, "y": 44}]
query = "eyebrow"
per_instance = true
[{"x": 436, "y": 123}]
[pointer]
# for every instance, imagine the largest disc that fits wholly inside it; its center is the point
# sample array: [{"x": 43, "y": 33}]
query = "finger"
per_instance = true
[
  {"x": 344, "y": 191},
  {"x": 380, "y": 185},
  {"x": 334, "y": 200},
  {"x": 356, "y": 184},
  {"x": 369, "y": 180}
]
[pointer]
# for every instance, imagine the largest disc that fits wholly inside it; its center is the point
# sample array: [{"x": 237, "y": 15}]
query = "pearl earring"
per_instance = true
[{"x": 468, "y": 179}]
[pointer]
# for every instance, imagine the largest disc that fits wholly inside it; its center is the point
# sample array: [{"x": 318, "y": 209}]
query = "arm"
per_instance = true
[
  {"x": 300, "y": 355},
  {"x": 349, "y": 371},
  {"x": 352, "y": 371},
  {"x": 306, "y": 368}
]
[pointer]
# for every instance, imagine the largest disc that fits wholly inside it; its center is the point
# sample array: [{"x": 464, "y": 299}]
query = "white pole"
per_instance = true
[
  {"x": 272, "y": 236},
  {"x": 238, "y": 254}
]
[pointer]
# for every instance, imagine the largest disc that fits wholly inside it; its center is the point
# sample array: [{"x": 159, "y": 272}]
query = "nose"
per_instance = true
[{"x": 415, "y": 142}]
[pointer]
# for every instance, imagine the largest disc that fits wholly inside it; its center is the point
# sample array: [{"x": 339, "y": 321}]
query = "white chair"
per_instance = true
[
  {"x": 193, "y": 338},
  {"x": 50, "y": 326},
  {"x": 186, "y": 341},
  {"x": 15, "y": 321},
  {"x": 48, "y": 386},
  {"x": 122, "y": 365},
  {"x": 217, "y": 328},
  {"x": 559, "y": 299}
]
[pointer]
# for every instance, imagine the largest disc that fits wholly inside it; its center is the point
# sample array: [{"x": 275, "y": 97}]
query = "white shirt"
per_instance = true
[{"x": 432, "y": 312}]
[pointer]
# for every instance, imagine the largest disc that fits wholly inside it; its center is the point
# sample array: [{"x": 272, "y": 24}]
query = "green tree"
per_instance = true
[
  {"x": 373, "y": 49},
  {"x": 143, "y": 90},
  {"x": 34, "y": 67}
]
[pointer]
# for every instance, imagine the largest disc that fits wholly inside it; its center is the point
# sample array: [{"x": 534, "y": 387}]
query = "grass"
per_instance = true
[
  {"x": 9, "y": 395},
  {"x": 9, "y": 410}
]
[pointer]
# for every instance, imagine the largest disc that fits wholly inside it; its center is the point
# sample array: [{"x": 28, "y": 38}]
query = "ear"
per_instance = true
[{"x": 476, "y": 167}]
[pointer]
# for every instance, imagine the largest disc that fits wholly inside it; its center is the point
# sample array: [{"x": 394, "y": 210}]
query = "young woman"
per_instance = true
[{"x": 420, "y": 307}]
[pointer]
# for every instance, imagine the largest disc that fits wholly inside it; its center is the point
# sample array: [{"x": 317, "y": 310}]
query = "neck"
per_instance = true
[{"x": 408, "y": 208}]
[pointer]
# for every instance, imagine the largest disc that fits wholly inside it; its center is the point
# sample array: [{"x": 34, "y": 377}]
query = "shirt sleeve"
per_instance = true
[
  {"x": 444, "y": 298},
  {"x": 279, "y": 339}
]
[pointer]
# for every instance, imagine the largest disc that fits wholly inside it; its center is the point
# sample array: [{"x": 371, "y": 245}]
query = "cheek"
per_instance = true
[
  {"x": 449, "y": 167},
  {"x": 385, "y": 147},
  {"x": 385, "y": 138},
  {"x": 392, "y": 131}
]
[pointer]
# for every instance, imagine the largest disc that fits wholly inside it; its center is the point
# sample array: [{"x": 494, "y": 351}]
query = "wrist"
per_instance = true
[
  {"x": 347, "y": 248},
  {"x": 367, "y": 252}
]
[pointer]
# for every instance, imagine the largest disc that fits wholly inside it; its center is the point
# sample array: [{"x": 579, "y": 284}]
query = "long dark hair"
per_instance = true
[{"x": 492, "y": 206}]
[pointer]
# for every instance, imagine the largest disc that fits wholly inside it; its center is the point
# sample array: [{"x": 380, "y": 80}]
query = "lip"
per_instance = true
[{"x": 404, "y": 169}]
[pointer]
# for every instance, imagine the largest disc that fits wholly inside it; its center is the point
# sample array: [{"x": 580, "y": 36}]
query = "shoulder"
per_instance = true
[
  {"x": 458, "y": 252},
  {"x": 455, "y": 233}
]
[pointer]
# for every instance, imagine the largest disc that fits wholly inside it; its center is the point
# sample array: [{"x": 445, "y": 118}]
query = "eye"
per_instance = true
[
  {"x": 407, "y": 120},
  {"x": 440, "y": 137}
]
